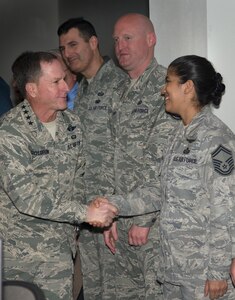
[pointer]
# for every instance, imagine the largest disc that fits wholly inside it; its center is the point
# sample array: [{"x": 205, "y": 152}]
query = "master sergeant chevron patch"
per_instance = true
[{"x": 222, "y": 159}]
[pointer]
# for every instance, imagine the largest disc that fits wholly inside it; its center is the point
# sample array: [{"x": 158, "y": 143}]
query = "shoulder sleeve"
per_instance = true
[{"x": 220, "y": 181}]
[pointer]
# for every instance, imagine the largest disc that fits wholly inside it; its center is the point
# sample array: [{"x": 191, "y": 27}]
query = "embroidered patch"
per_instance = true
[{"x": 222, "y": 159}]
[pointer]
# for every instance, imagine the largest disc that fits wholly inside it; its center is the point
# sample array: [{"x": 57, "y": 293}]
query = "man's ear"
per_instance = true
[
  {"x": 31, "y": 89},
  {"x": 93, "y": 41},
  {"x": 151, "y": 39}
]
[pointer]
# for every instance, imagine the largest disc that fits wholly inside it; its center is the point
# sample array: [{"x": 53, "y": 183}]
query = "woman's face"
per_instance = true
[{"x": 174, "y": 93}]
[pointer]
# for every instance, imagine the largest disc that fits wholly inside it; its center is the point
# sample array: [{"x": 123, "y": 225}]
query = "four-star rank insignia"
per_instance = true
[{"x": 222, "y": 159}]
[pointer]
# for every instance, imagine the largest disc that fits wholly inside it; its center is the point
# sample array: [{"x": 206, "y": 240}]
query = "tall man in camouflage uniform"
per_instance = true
[
  {"x": 41, "y": 179},
  {"x": 140, "y": 126},
  {"x": 80, "y": 49}
]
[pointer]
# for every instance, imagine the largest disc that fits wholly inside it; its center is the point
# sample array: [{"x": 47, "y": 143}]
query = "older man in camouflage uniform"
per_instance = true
[
  {"x": 42, "y": 167},
  {"x": 102, "y": 78}
]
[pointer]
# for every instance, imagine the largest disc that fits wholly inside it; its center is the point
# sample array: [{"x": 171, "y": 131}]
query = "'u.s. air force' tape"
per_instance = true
[{"x": 222, "y": 159}]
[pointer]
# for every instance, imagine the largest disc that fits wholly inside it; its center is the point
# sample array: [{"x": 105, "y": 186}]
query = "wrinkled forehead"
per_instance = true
[
  {"x": 52, "y": 68},
  {"x": 127, "y": 29}
]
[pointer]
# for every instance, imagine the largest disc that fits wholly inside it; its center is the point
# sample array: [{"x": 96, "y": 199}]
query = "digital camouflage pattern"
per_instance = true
[
  {"x": 94, "y": 107},
  {"x": 176, "y": 292},
  {"x": 41, "y": 193},
  {"x": 198, "y": 184},
  {"x": 140, "y": 128}
]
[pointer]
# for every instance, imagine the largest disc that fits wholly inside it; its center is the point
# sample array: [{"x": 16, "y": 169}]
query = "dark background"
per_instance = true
[
  {"x": 32, "y": 25},
  {"x": 102, "y": 14}
]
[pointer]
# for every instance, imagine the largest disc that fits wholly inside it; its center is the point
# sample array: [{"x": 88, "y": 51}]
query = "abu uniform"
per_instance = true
[
  {"x": 41, "y": 191},
  {"x": 198, "y": 184},
  {"x": 93, "y": 107},
  {"x": 140, "y": 127}
]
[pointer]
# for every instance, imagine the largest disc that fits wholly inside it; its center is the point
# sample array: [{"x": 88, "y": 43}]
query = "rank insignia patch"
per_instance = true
[{"x": 222, "y": 159}]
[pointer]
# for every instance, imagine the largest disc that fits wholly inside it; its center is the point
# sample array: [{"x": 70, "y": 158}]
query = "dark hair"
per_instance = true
[
  {"x": 85, "y": 28},
  {"x": 208, "y": 83},
  {"x": 27, "y": 68}
]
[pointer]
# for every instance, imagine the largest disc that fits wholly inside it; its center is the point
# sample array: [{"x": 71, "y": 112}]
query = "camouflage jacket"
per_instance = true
[
  {"x": 41, "y": 184},
  {"x": 93, "y": 107},
  {"x": 198, "y": 183},
  {"x": 140, "y": 127}
]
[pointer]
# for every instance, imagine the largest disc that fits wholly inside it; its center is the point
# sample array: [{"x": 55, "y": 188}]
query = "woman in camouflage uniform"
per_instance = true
[{"x": 197, "y": 180}]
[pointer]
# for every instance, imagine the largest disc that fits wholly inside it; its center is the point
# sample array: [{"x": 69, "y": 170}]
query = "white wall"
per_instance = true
[
  {"x": 202, "y": 27},
  {"x": 221, "y": 51},
  {"x": 181, "y": 28}
]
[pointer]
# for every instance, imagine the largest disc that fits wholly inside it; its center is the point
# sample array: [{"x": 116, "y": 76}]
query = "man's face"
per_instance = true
[
  {"x": 131, "y": 45},
  {"x": 49, "y": 93},
  {"x": 76, "y": 51}
]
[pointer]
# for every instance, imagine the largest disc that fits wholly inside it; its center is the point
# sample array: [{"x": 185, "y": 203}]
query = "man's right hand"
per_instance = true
[{"x": 101, "y": 216}]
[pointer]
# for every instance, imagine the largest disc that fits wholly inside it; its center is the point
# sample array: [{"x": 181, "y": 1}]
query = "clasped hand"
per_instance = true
[{"x": 101, "y": 212}]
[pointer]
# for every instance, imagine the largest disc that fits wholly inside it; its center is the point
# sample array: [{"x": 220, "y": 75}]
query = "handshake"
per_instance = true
[{"x": 100, "y": 212}]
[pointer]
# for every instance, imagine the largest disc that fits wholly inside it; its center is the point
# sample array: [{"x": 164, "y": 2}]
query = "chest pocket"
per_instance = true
[{"x": 184, "y": 176}]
